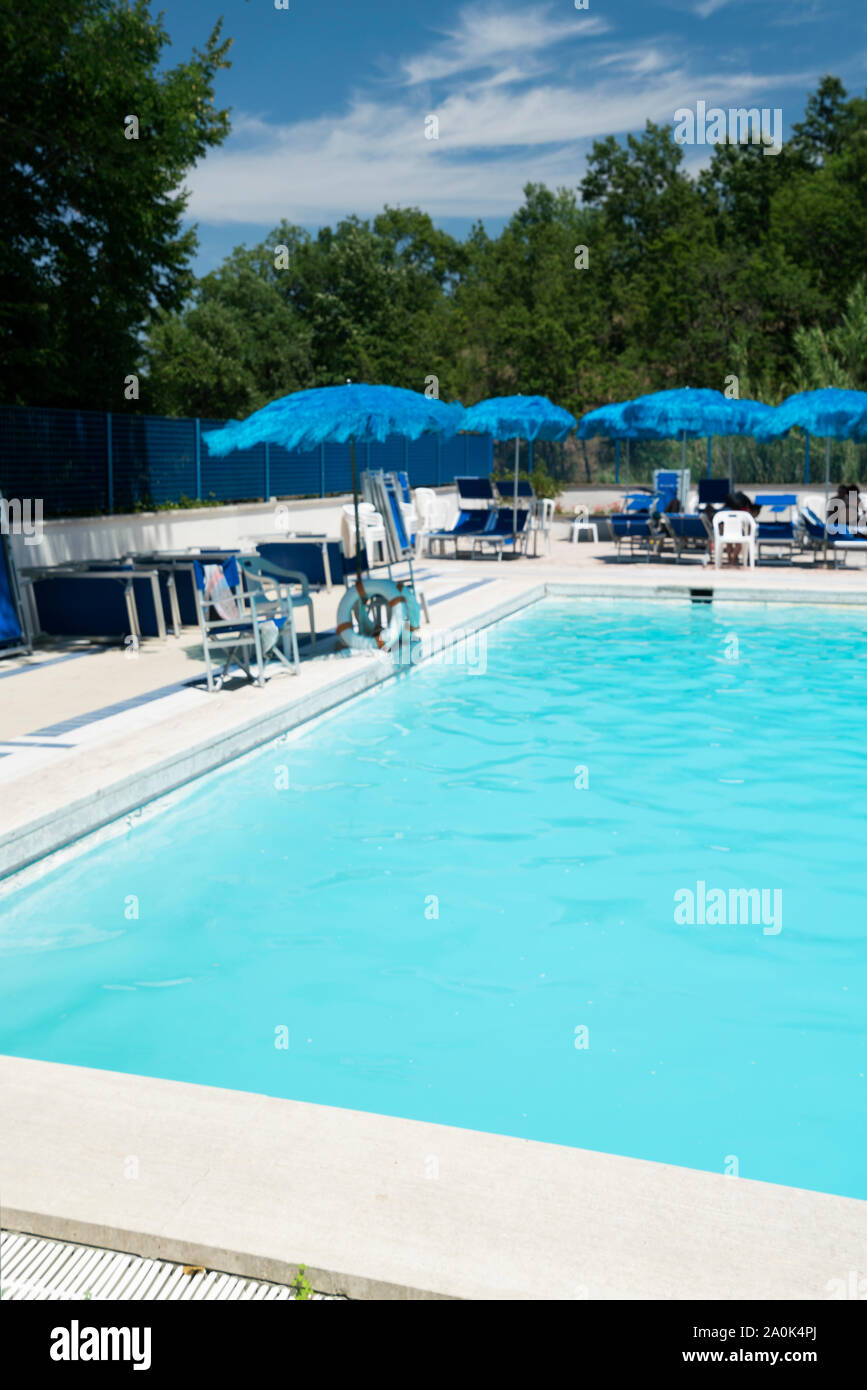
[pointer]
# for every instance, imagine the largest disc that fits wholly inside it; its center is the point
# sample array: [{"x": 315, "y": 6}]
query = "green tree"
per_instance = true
[
  {"x": 237, "y": 344},
  {"x": 829, "y": 120},
  {"x": 369, "y": 301},
  {"x": 837, "y": 356},
  {"x": 670, "y": 282},
  {"x": 91, "y": 240},
  {"x": 530, "y": 316}
]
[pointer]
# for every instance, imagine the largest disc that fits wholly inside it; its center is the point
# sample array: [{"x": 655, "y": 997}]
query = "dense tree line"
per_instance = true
[{"x": 756, "y": 268}]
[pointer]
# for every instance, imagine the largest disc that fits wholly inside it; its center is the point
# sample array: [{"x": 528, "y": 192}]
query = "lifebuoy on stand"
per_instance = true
[{"x": 359, "y": 616}]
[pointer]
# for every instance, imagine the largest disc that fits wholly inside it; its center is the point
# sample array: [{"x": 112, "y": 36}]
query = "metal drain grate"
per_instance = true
[
  {"x": 701, "y": 595},
  {"x": 35, "y": 1269}
]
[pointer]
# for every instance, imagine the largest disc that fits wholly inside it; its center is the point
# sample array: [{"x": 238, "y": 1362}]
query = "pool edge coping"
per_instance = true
[{"x": 255, "y": 1185}]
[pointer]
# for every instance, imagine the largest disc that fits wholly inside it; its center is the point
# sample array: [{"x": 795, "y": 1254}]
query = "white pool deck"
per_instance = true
[
  {"x": 385, "y": 1208},
  {"x": 255, "y": 1186}
]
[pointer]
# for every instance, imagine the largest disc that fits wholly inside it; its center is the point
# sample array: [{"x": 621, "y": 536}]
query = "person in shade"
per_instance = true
[{"x": 736, "y": 502}]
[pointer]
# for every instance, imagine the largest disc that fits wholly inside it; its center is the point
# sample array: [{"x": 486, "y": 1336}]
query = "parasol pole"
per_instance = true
[
  {"x": 515, "y": 503},
  {"x": 807, "y": 459},
  {"x": 731, "y": 468},
  {"x": 627, "y": 464},
  {"x": 355, "y": 504},
  {"x": 827, "y": 491}
]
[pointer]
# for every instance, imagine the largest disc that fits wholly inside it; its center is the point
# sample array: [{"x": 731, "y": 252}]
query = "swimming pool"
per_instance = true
[{"x": 456, "y": 900}]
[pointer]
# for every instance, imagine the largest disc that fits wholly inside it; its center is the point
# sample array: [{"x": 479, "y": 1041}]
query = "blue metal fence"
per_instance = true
[{"x": 91, "y": 462}]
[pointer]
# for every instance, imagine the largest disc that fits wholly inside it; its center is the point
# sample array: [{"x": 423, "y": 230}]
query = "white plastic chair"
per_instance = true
[
  {"x": 582, "y": 522},
  {"x": 542, "y": 518},
  {"x": 734, "y": 528},
  {"x": 435, "y": 512},
  {"x": 425, "y": 502},
  {"x": 372, "y": 532}
]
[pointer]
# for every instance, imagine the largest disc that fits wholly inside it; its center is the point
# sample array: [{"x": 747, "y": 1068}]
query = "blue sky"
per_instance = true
[{"x": 329, "y": 98}]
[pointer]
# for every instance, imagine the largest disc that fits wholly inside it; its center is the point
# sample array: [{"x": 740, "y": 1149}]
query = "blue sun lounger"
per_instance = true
[
  {"x": 477, "y": 514},
  {"x": 468, "y": 526},
  {"x": 686, "y": 531},
  {"x": 843, "y": 541},
  {"x": 509, "y": 529},
  {"x": 636, "y": 531},
  {"x": 96, "y": 598},
  {"x": 840, "y": 540},
  {"x": 780, "y": 532},
  {"x": 812, "y": 531}
]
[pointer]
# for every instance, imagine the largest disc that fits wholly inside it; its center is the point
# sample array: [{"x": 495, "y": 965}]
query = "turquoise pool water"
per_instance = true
[{"x": 438, "y": 900}]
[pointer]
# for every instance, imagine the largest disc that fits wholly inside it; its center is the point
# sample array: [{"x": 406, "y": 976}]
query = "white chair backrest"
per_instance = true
[
  {"x": 731, "y": 527},
  {"x": 581, "y": 512},
  {"x": 447, "y": 510},
  {"x": 369, "y": 520},
  {"x": 425, "y": 500}
]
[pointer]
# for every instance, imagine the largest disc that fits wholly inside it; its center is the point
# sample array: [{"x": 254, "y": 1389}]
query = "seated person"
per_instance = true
[{"x": 738, "y": 502}]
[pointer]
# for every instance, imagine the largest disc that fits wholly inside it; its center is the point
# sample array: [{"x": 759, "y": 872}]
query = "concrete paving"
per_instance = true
[{"x": 378, "y": 1207}]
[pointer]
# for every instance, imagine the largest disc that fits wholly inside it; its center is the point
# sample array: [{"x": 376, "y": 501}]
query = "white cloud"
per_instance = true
[
  {"x": 812, "y": 11},
  {"x": 496, "y": 133},
  {"x": 489, "y": 38},
  {"x": 705, "y": 8}
]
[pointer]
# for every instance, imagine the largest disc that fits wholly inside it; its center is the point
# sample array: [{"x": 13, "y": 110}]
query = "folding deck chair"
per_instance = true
[
  {"x": 243, "y": 624},
  {"x": 264, "y": 576}
]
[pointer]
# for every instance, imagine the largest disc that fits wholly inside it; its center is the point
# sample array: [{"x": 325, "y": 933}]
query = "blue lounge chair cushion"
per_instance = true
[
  {"x": 623, "y": 525},
  {"x": 468, "y": 523},
  {"x": 776, "y": 531}
]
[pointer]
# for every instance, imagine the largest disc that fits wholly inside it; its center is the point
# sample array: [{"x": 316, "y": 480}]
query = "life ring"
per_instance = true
[{"x": 402, "y": 607}]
